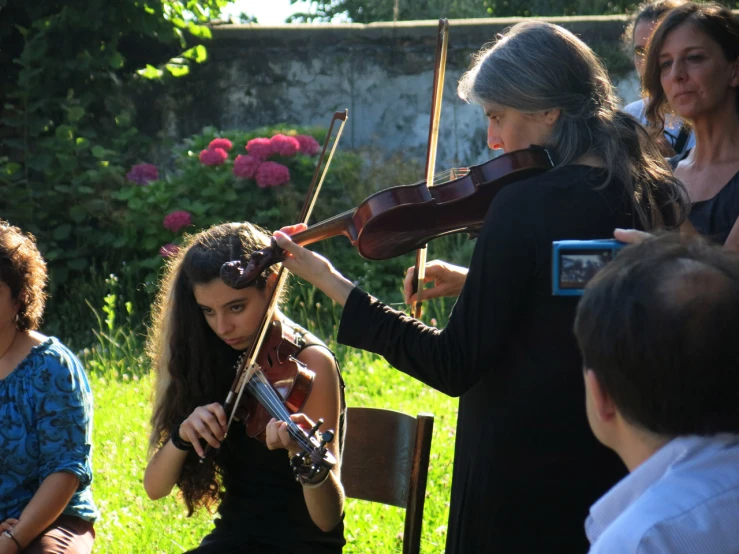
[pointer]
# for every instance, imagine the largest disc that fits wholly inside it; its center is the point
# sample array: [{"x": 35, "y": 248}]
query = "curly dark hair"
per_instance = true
[
  {"x": 23, "y": 269},
  {"x": 193, "y": 365}
]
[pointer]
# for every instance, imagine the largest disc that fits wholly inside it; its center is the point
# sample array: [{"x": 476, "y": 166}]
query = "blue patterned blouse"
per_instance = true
[{"x": 45, "y": 427}]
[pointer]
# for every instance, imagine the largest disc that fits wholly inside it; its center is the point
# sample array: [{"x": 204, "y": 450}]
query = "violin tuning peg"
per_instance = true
[
  {"x": 313, "y": 430},
  {"x": 326, "y": 437}
]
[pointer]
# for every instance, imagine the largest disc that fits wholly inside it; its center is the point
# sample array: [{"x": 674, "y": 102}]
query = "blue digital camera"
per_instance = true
[{"x": 575, "y": 262}]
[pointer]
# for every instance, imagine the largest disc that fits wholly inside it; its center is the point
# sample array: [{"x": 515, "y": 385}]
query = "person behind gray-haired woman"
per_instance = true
[
  {"x": 678, "y": 136},
  {"x": 527, "y": 468}
]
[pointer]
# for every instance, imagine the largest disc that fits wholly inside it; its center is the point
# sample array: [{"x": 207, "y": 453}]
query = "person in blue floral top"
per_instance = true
[{"x": 45, "y": 417}]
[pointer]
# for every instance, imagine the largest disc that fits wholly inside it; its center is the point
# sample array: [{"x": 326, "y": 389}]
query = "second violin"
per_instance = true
[{"x": 400, "y": 219}]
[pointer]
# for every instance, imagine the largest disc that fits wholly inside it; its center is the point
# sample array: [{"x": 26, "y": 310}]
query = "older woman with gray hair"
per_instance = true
[{"x": 527, "y": 467}]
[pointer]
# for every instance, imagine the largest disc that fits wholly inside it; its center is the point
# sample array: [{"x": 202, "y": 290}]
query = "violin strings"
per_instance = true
[
  {"x": 264, "y": 392},
  {"x": 275, "y": 408}
]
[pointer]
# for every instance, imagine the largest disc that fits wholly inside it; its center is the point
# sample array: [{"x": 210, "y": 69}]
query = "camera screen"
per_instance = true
[{"x": 576, "y": 269}]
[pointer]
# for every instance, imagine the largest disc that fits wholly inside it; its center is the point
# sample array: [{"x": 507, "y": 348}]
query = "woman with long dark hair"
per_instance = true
[
  {"x": 527, "y": 468},
  {"x": 201, "y": 326}
]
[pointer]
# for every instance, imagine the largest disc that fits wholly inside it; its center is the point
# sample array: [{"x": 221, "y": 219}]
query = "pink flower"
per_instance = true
[
  {"x": 222, "y": 143},
  {"x": 308, "y": 145},
  {"x": 141, "y": 174},
  {"x": 213, "y": 156},
  {"x": 272, "y": 174},
  {"x": 260, "y": 148},
  {"x": 284, "y": 145},
  {"x": 246, "y": 166},
  {"x": 168, "y": 250},
  {"x": 177, "y": 220}
]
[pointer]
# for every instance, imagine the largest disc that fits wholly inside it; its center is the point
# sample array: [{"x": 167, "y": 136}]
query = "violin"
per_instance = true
[
  {"x": 400, "y": 219},
  {"x": 280, "y": 387}
]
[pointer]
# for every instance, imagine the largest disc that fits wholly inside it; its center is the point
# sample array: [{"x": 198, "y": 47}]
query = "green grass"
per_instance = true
[{"x": 131, "y": 523}]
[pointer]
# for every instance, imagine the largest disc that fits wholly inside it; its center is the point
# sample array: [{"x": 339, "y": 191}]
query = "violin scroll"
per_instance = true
[{"x": 237, "y": 276}]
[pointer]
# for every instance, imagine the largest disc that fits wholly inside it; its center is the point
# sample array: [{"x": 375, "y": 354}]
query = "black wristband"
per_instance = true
[
  {"x": 312, "y": 483},
  {"x": 8, "y": 533},
  {"x": 178, "y": 442}
]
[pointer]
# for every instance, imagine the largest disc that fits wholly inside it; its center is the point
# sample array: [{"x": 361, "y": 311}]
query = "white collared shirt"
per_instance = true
[
  {"x": 672, "y": 124},
  {"x": 684, "y": 499}
]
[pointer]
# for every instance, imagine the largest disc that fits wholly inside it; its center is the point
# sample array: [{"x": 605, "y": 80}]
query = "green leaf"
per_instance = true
[
  {"x": 123, "y": 194},
  {"x": 200, "y": 31},
  {"x": 64, "y": 132},
  {"x": 98, "y": 151},
  {"x": 75, "y": 113},
  {"x": 85, "y": 190},
  {"x": 10, "y": 168},
  {"x": 62, "y": 232},
  {"x": 197, "y": 53},
  {"x": 150, "y": 72},
  {"x": 116, "y": 60},
  {"x": 123, "y": 119},
  {"x": 53, "y": 254},
  {"x": 177, "y": 70}
]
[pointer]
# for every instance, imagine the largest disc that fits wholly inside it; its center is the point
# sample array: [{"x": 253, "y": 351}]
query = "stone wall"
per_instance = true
[{"x": 382, "y": 73}]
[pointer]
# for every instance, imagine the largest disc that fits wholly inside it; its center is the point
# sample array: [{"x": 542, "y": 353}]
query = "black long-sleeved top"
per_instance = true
[{"x": 527, "y": 466}]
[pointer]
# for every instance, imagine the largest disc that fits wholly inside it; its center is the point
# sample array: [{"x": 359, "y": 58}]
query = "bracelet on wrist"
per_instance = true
[
  {"x": 9, "y": 534},
  {"x": 314, "y": 483},
  {"x": 178, "y": 442}
]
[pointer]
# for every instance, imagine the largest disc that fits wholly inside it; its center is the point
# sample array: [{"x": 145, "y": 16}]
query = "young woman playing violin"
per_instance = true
[
  {"x": 201, "y": 327},
  {"x": 526, "y": 466}
]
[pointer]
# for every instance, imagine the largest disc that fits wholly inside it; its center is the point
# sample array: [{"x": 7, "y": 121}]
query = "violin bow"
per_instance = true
[
  {"x": 243, "y": 377},
  {"x": 442, "y": 41}
]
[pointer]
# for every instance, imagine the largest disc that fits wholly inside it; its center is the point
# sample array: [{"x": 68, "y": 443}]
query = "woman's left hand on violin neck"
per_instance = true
[
  {"x": 277, "y": 435},
  {"x": 312, "y": 267}
]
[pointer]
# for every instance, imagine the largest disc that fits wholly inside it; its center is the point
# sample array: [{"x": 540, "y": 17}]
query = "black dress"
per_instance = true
[
  {"x": 715, "y": 217},
  {"x": 263, "y": 510},
  {"x": 526, "y": 467}
]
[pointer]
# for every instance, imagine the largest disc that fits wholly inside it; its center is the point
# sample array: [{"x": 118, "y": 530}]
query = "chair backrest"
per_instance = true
[{"x": 386, "y": 460}]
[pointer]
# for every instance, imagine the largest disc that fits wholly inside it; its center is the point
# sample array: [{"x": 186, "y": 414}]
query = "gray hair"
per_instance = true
[{"x": 536, "y": 66}]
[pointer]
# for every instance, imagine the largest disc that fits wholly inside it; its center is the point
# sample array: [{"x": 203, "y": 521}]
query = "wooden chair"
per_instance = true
[{"x": 386, "y": 460}]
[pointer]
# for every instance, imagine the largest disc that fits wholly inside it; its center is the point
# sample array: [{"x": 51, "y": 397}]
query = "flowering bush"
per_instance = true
[
  {"x": 271, "y": 174},
  {"x": 141, "y": 174},
  {"x": 260, "y": 148},
  {"x": 213, "y": 156},
  {"x": 222, "y": 143},
  {"x": 308, "y": 145},
  {"x": 177, "y": 220},
  {"x": 260, "y": 176},
  {"x": 283, "y": 145},
  {"x": 245, "y": 166}
]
